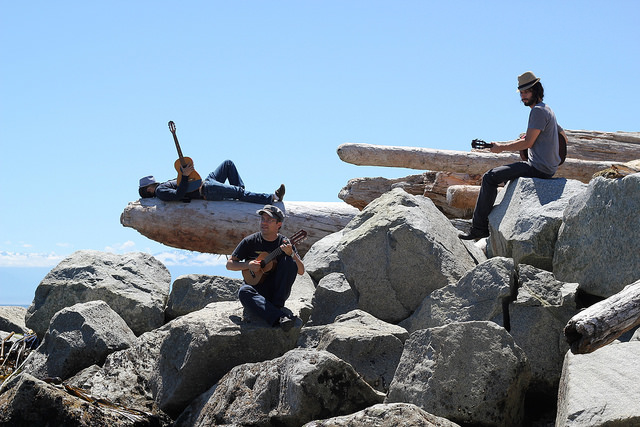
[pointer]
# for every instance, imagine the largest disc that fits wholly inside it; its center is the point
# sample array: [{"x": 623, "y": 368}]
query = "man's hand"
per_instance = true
[
  {"x": 254, "y": 265},
  {"x": 287, "y": 248},
  {"x": 496, "y": 147},
  {"x": 187, "y": 170}
]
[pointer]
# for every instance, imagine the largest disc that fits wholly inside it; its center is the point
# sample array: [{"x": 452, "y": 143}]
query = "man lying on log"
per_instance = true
[
  {"x": 542, "y": 146},
  {"x": 269, "y": 264},
  {"x": 213, "y": 187}
]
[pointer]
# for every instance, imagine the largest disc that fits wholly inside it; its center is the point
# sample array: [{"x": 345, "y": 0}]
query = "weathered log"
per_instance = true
[
  {"x": 463, "y": 196},
  {"x": 603, "y": 322},
  {"x": 454, "y": 161},
  {"x": 595, "y": 145},
  {"x": 218, "y": 227}
]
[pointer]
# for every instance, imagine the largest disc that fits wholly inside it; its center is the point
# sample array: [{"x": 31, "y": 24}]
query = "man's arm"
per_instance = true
[
  {"x": 517, "y": 144},
  {"x": 287, "y": 248},
  {"x": 234, "y": 264}
]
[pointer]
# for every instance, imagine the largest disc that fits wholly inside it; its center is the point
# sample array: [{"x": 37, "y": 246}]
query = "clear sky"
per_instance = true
[{"x": 87, "y": 89}]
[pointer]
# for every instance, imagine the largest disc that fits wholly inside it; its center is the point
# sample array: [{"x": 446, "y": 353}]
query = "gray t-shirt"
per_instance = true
[{"x": 544, "y": 155}]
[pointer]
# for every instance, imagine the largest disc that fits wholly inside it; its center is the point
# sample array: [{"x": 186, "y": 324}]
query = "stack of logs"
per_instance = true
[{"x": 452, "y": 179}]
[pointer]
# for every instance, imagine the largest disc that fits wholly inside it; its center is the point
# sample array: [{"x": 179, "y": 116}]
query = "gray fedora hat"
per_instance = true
[{"x": 527, "y": 80}]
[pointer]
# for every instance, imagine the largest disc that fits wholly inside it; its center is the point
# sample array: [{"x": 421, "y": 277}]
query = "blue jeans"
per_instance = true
[
  {"x": 214, "y": 187},
  {"x": 267, "y": 299},
  {"x": 489, "y": 189}
]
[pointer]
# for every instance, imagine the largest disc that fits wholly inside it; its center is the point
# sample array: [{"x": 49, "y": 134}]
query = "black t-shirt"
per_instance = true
[{"x": 251, "y": 246}]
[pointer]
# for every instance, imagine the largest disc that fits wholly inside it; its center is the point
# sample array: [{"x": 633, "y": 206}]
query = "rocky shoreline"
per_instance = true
[{"x": 400, "y": 323}]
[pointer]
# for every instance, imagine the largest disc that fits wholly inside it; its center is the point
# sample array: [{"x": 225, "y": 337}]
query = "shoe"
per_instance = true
[
  {"x": 474, "y": 234},
  {"x": 286, "y": 323},
  {"x": 279, "y": 193}
]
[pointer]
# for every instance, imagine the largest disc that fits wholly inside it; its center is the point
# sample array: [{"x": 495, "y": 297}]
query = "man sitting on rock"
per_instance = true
[
  {"x": 540, "y": 143},
  {"x": 271, "y": 283},
  {"x": 213, "y": 187}
]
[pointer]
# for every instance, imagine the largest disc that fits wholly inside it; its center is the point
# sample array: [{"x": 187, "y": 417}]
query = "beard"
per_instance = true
[{"x": 529, "y": 102}]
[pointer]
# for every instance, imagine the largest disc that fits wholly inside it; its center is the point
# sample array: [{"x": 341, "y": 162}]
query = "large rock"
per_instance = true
[
  {"x": 371, "y": 346},
  {"x": 195, "y": 291},
  {"x": 78, "y": 337},
  {"x": 32, "y": 402},
  {"x": 537, "y": 317},
  {"x": 135, "y": 285},
  {"x": 470, "y": 373},
  {"x": 395, "y": 252},
  {"x": 386, "y": 415},
  {"x": 601, "y": 388},
  {"x": 598, "y": 240},
  {"x": 301, "y": 386},
  {"x": 333, "y": 297},
  {"x": 202, "y": 346},
  {"x": 524, "y": 224},
  {"x": 480, "y": 294},
  {"x": 12, "y": 319}
]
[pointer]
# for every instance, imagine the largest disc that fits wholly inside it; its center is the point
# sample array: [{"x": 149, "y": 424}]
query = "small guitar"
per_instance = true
[
  {"x": 562, "y": 147},
  {"x": 268, "y": 261},
  {"x": 194, "y": 179}
]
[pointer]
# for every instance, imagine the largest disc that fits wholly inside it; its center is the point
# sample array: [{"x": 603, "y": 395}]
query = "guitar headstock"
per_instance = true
[
  {"x": 478, "y": 143},
  {"x": 298, "y": 237},
  {"x": 172, "y": 126}
]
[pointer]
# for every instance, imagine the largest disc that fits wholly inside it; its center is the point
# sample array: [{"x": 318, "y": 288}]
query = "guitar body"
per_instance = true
[
  {"x": 193, "y": 176},
  {"x": 254, "y": 279}
]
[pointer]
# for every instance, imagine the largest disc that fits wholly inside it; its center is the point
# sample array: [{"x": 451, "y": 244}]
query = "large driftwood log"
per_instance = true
[
  {"x": 605, "y": 321},
  {"x": 218, "y": 227},
  {"x": 595, "y": 145},
  {"x": 454, "y": 161}
]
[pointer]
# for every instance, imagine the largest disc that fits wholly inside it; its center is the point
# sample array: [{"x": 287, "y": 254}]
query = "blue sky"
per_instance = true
[{"x": 87, "y": 89}]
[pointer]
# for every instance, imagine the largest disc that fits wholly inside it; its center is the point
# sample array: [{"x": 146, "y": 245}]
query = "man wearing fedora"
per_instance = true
[
  {"x": 266, "y": 299},
  {"x": 540, "y": 143},
  {"x": 213, "y": 188}
]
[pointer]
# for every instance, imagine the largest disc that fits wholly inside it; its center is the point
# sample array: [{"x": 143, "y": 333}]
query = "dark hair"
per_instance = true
[
  {"x": 538, "y": 92},
  {"x": 144, "y": 193}
]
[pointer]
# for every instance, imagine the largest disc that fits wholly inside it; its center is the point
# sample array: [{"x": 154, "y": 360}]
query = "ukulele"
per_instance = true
[
  {"x": 194, "y": 179},
  {"x": 268, "y": 261},
  {"x": 562, "y": 147}
]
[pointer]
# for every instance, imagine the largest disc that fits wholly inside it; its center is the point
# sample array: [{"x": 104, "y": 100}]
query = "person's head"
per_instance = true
[
  {"x": 147, "y": 187},
  {"x": 271, "y": 218},
  {"x": 530, "y": 88}
]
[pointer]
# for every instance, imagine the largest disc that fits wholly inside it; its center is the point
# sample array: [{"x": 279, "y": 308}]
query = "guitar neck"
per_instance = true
[{"x": 273, "y": 255}]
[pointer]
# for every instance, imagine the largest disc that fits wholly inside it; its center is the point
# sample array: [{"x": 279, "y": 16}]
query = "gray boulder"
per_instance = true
[
  {"x": 12, "y": 319},
  {"x": 371, "y": 346},
  {"x": 194, "y": 291},
  {"x": 333, "y": 296},
  {"x": 524, "y": 224},
  {"x": 200, "y": 347},
  {"x": 598, "y": 240},
  {"x": 78, "y": 337},
  {"x": 601, "y": 388},
  {"x": 538, "y": 316},
  {"x": 135, "y": 285},
  {"x": 386, "y": 415},
  {"x": 301, "y": 386},
  {"x": 32, "y": 402},
  {"x": 479, "y": 295},
  {"x": 469, "y": 373},
  {"x": 395, "y": 252}
]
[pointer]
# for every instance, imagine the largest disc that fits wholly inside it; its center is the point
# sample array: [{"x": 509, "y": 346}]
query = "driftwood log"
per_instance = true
[
  {"x": 454, "y": 161},
  {"x": 218, "y": 227},
  {"x": 605, "y": 321}
]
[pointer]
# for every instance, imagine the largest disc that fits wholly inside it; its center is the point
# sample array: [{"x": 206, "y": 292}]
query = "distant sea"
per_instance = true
[{"x": 18, "y": 284}]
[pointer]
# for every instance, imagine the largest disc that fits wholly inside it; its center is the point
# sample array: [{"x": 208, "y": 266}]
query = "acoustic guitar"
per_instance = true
[
  {"x": 194, "y": 178},
  {"x": 268, "y": 261}
]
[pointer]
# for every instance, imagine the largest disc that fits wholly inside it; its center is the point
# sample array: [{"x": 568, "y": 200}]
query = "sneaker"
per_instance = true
[
  {"x": 286, "y": 323},
  {"x": 279, "y": 193},
  {"x": 474, "y": 234}
]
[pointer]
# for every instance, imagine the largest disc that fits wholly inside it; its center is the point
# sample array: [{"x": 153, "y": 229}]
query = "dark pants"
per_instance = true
[
  {"x": 267, "y": 299},
  {"x": 489, "y": 189},
  {"x": 214, "y": 187}
]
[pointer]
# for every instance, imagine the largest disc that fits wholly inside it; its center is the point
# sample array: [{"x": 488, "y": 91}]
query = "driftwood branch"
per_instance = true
[
  {"x": 605, "y": 321},
  {"x": 218, "y": 227},
  {"x": 454, "y": 161}
]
